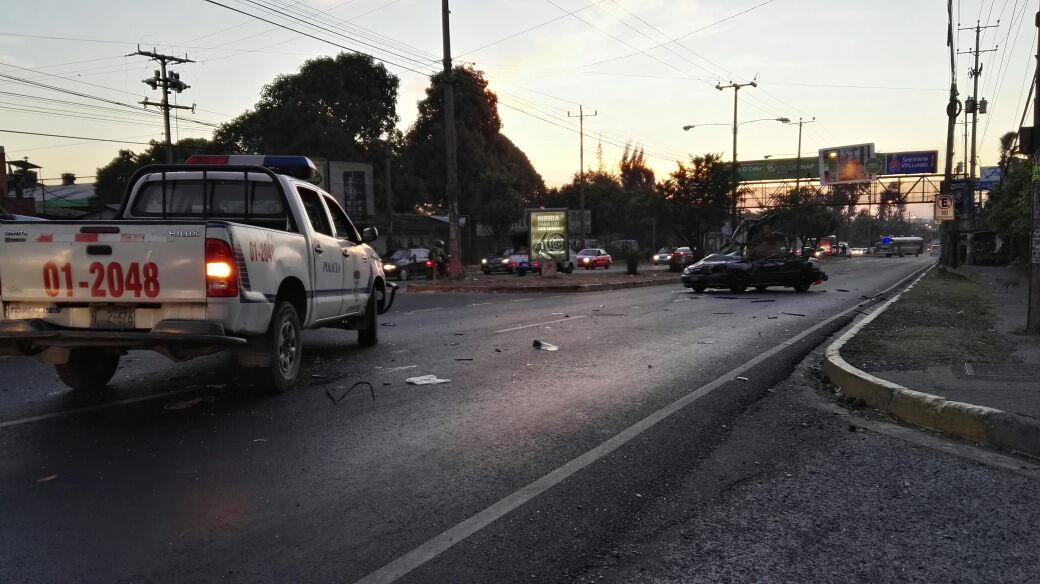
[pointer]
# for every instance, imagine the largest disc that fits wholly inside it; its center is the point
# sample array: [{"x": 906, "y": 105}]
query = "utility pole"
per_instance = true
[
  {"x": 1033, "y": 315},
  {"x": 953, "y": 111},
  {"x": 452, "y": 185},
  {"x": 798, "y": 164},
  {"x": 389, "y": 205},
  {"x": 972, "y": 106},
  {"x": 167, "y": 83},
  {"x": 736, "y": 179},
  {"x": 581, "y": 167}
]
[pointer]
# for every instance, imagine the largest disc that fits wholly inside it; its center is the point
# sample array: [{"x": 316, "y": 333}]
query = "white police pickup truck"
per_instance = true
[{"x": 222, "y": 253}]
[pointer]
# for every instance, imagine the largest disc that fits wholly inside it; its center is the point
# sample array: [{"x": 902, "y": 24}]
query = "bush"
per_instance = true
[{"x": 632, "y": 257}]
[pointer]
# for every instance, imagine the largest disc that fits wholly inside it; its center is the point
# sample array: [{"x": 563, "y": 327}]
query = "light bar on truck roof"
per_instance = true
[{"x": 299, "y": 167}]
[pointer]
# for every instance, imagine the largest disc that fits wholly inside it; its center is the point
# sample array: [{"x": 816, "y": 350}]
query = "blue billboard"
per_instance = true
[{"x": 923, "y": 162}]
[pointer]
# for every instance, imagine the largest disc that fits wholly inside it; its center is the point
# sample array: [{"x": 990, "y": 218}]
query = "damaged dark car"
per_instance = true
[{"x": 757, "y": 256}]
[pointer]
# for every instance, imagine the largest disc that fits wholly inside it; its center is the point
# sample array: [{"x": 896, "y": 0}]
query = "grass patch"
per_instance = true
[{"x": 944, "y": 319}]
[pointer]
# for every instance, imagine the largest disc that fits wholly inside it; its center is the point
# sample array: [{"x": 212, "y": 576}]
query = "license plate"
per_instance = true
[{"x": 112, "y": 316}]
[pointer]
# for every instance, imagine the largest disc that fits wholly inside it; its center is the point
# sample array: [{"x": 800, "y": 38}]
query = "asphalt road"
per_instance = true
[{"x": 531, "y": 463}]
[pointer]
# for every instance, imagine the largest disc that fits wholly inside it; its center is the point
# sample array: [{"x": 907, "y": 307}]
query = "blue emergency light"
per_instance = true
[
  {"x": 886, "y": 239},
  {"x": 299, "y": 167}
]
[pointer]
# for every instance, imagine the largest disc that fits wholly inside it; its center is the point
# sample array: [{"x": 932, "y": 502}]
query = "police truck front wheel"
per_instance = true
[
  {"x": 88, "y": 369},
  {"x": 368, "y": 331}
]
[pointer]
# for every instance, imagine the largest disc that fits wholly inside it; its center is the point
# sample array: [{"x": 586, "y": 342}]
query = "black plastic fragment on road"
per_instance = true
[
  {"x": 770, "y": 300},
  {"x": 331, "y": 392},
  {"x": 792, "y": 314}
]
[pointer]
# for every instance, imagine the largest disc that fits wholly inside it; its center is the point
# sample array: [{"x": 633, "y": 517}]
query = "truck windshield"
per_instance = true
[{"x": 223, "y": 199}]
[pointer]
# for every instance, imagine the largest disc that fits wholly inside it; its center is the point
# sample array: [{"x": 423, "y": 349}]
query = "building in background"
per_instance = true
[{"x": 351, "y": 183}]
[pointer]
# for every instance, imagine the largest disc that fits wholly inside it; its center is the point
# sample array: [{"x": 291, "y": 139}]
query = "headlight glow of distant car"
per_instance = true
[
  {"x": 390, "y": 267},
  {"x": 585, "y": 260},
  {"x": 505, "y": 262},
  {"x": 483, "y": 261}
]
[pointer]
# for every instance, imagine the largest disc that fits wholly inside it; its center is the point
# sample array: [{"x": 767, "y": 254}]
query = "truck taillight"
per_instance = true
[
  {"x": 429, "y": 263},
  {"x": 221, "y": 279}
]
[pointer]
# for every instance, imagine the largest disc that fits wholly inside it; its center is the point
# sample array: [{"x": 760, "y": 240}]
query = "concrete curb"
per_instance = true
[
  {"x": 980, "y": 424},
  {"x": 566, "y": 288}
]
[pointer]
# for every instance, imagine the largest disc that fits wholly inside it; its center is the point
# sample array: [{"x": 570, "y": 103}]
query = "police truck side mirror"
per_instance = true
[{"x": 369, "y": 234}]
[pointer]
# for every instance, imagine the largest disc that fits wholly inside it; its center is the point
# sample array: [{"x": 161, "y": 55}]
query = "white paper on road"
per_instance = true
[{"x": 426, "y": 380}]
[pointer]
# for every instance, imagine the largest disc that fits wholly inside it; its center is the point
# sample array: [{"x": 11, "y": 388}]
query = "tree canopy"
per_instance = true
[
  {"x": 495, "y": 176},
  {"x": 341, "y": 108},
  {"x": 696, "y": 197}
]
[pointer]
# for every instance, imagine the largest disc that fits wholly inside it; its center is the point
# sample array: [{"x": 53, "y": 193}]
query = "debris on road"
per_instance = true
[
  {"x": 544, "y": 346},
  {"x": 463, "y": 358},
  {"x": 843, "y": 290},
  {"x": 388, "y": 324},
  {"x": 770, "y": 300},
  {"x": 188, "y": 403},
  {"x": 426, "y": 380},
  {"x": 338, "y": 393},
  {"x": 743, "y": 379},
  {"x": 722, "y": 313},
  {"x": 47, "y": 478},
  {"x": 792, "y": 314},
  {"x": 259, "y": 439}
]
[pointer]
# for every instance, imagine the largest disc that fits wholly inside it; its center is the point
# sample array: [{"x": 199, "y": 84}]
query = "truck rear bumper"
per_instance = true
[{"x": 177, "y": 339}]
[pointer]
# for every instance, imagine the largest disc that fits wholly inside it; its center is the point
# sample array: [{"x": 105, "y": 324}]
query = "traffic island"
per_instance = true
[
  {"x": 943, "y": 355},
  {"x": 560, "y": 284}
]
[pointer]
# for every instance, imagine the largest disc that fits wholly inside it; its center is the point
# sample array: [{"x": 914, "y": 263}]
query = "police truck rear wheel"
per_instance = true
[
  {"x": 284, "y": 341},
  {"x": 88, "y": 369}
]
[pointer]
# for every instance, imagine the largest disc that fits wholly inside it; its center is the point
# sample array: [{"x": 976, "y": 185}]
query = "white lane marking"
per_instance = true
[
  {"x": 481, "y": 303},
  {"x": 84, "y": 410},
  {"x": 526, "y": 326},
  {"x": 423, "y": 310},
  {"x": 441, "y": 543}
]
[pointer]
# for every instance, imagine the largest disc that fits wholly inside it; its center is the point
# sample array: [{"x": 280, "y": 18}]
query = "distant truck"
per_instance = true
[
  {"x": 901, "y": 246},
  {"x": 233, "y": 253}
]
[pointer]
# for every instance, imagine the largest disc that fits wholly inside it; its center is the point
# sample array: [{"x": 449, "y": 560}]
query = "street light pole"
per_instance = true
[{"x": 736, "y": 180}]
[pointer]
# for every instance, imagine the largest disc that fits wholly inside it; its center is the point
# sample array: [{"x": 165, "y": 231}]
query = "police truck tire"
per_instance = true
[
  {"x": 284, "y": 342},
  {"x": 88, "y": 369},
  {"x": 368, "y": 331}
]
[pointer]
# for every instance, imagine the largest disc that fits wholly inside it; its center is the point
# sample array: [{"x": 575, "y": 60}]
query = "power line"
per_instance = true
[
  {"x": 529, "y": 29},
  {"x": 73, "y": 137}
]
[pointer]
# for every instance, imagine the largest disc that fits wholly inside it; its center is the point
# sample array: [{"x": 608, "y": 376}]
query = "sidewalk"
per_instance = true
[{"x": 949, "y": 355}]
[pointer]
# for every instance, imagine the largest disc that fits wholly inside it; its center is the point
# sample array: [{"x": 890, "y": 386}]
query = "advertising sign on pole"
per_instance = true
[
  {"x": 847, "y": 164},
  {"x": 548, "y": 242},
  {"x": 989, "y": 178}
]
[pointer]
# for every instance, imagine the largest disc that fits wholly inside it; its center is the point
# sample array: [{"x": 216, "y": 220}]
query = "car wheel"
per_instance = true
[
  {"x": 368, "y": 331},
  {"x": 738, "y": 284},
  {"x": 403, "y": 274},
  {"x": 88, "y": 369},
  {"x": 698, "y": 289},
  {"x": 761, "y": 288},
  {"x": 487, "y": 272},
  {"x": 284, "y": 343},
  {"x": 803, "y": 284}
]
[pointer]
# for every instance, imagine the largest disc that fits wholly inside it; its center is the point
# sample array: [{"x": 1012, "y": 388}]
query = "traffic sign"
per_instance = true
[{"x": 944, "y": 208}]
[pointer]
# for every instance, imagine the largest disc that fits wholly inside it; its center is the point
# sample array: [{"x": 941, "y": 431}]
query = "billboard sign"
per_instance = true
[
  {"x": 778, "y": 169},
  {"x": 548, "y": 234},
  {"x": 989, "y": 178},
  {"x": 924, "y": 162},
  {"x": 848, "y": 164}
]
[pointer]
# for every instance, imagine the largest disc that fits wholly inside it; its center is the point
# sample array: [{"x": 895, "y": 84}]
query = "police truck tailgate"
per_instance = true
[{"x": 94, "y": 275}]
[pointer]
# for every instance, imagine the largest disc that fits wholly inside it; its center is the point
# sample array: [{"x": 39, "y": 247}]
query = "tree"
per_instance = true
[
  {"x": 804, "y": 214},
  {"x": 1007, "y": 209},
  {"x": 487, "y": 160},
  {"x": 340, "y": 108},
  {"x": 695, "y": 199},
  {"x": 111, "y": 180},
  {"x": 635, "y": 174}
]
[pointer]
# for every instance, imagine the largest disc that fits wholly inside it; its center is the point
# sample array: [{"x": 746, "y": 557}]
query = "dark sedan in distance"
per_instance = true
[
  {"x": 682, "y": 257},
  {"x": 498, "y": 262}
]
